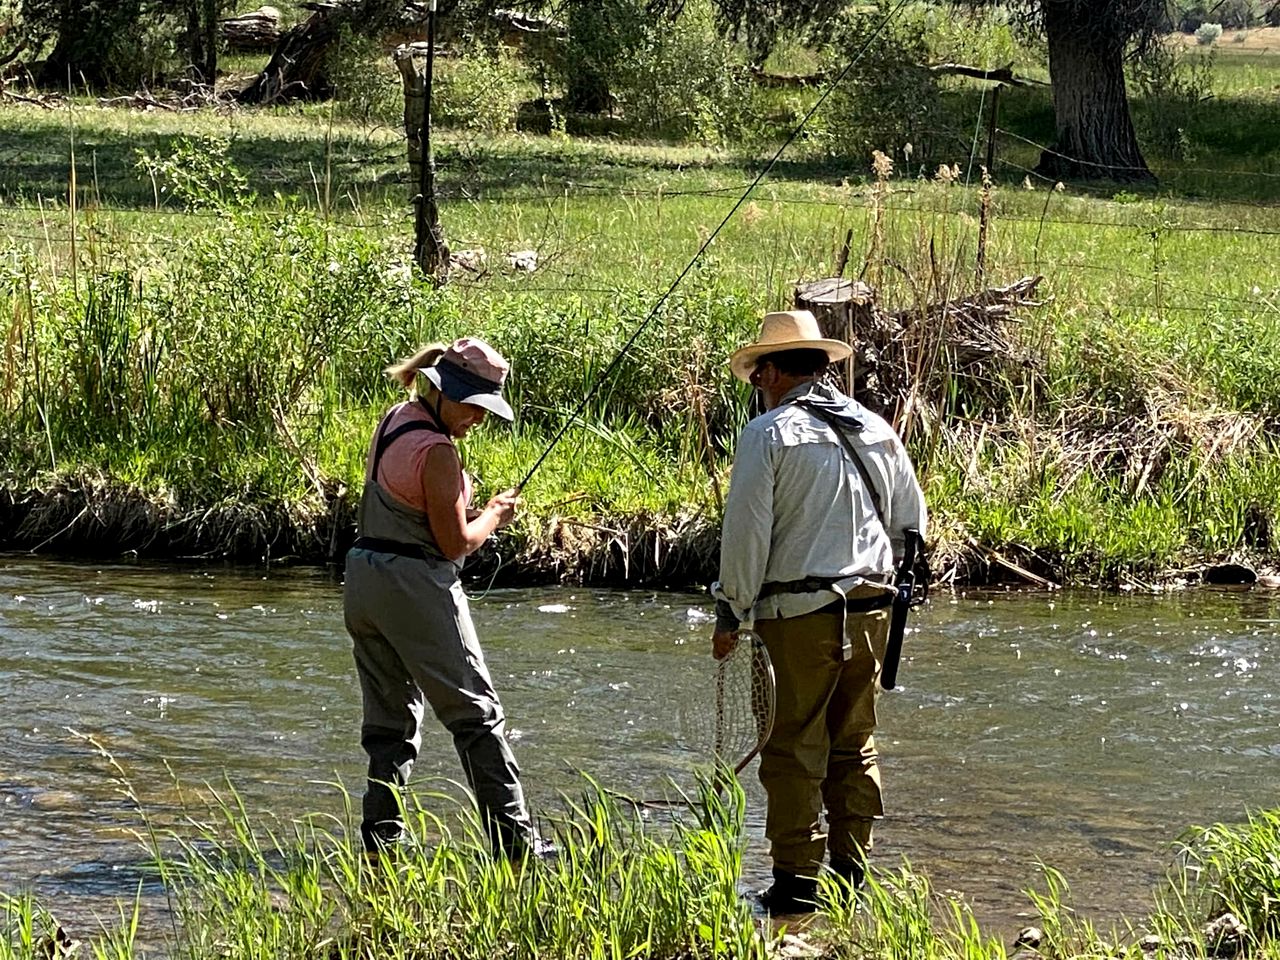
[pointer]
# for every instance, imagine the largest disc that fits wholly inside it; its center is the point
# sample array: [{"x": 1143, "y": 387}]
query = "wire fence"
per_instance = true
[
  {"x": 1151, "y": 224},
  {"x": 1143, "y": 221}
]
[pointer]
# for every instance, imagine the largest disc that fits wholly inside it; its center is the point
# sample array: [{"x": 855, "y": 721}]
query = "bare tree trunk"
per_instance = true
[
  {"x": 1096, "y": 140},
  {"x": 298, "y": 69},
  {"x": 210, "y": 66}
]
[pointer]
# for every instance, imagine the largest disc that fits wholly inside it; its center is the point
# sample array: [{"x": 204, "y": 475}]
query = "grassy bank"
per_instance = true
[
  {"x": 624, "y": 885},
  {"x": 192, "y": 353}
]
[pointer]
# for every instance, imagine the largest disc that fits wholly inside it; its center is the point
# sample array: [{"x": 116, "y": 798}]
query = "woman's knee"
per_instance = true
[{"x": 477, "y": 717}]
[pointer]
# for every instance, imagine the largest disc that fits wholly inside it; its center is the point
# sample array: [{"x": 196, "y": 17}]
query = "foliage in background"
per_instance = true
[
  {"x": 890, "y": 98},
  {"x": 480, "y": 92},
  {"x": 984, "y": 37},
  {"x": 365, "y": 83},
  {"x": 600, "y": 37},
  {"x": 680, "y": 80},
  {"x": 102, "y": 43},
  {"x": 1174, "y": 89}
]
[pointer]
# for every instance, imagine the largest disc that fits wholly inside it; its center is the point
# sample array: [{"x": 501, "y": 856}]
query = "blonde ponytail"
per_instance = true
[{"x": 405, "y": 372}]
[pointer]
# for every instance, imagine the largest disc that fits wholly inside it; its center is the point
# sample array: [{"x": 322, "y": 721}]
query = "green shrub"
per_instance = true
[
  {"x": 1173, "y": 88},
  {"x": 982, "y": 36},
  {"x": 480, "y": 91},
  {"x": 366, "y": 86},
  {"x": 197, "y": 173},
  {"x": 683, "y": 79},
  {"x": 601, "y": 36},
  {"x": 1207, "y": 34},
  {"x": 889, "y": 98}
]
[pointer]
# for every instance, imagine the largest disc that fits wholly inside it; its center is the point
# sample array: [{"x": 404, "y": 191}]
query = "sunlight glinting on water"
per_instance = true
[{"x": 1081, "y": 729}]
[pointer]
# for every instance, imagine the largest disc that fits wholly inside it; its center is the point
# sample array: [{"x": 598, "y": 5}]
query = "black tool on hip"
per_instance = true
[{"x": 911, "y": 588}]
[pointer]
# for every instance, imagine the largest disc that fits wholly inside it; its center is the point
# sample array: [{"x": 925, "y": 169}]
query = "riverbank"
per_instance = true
[
  {"x": 200, "y": 378},
  {"x": 98, "y": 520}
]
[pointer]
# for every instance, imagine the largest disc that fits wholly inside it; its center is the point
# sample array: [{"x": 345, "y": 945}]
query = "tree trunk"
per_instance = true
[
  {"x": 210, "y": 66},
  {"x": 202, "y": 40},
  {"x": 81, "y": 56},
  {"x": 299, "y": 67},
  {"x": 1095, "y": 138}
]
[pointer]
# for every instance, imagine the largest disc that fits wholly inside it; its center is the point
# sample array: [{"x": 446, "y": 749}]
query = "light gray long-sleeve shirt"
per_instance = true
[{"x": 798, "y": 507}]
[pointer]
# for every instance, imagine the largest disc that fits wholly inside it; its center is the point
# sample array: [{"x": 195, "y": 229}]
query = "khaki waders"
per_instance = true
[
  {"x": 821, "y": 754},
  {"x": 414, "y": 645}
]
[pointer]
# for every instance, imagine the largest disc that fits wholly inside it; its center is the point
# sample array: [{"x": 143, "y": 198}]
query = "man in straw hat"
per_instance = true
[{"x": 821, "y": 496}]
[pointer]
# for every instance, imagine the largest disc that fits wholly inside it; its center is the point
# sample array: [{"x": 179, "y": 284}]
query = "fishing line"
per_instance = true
[{"x": 764, "y": 172}]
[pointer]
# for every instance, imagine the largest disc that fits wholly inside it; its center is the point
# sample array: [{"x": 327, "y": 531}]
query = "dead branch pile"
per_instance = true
[
  {"x": 914, "y": 359},
  {"x": 1137, "y": 446},
  {"x": 196, "y": 96},
  {"x": 49, "y": 101}
]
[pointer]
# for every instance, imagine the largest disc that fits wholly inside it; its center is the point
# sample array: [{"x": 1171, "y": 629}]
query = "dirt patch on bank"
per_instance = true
[{"x": 1254, "y": 40}]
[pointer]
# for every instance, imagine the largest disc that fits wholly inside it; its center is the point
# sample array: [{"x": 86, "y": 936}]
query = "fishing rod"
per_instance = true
[{"x": 764, "y": 172}]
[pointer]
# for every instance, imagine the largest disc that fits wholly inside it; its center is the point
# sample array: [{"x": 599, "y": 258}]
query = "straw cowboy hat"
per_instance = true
[{"x": 785, "y": 330}]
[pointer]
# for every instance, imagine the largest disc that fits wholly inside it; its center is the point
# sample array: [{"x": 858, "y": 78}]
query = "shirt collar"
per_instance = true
[{"x": 823, "y": 390}]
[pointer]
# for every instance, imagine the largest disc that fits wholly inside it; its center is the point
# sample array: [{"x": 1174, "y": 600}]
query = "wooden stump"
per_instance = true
[{"x": 846, "y": 310}]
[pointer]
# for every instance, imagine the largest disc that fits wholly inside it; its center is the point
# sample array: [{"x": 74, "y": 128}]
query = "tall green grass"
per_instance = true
[
  {"x": 235, "y": 361},
  {"x": 240, "y": 885}
]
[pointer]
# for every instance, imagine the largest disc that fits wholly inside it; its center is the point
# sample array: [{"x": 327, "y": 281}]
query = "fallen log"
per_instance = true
[
  {"x": 299, "y": 65},
  {"x": 251, "y": 32}
]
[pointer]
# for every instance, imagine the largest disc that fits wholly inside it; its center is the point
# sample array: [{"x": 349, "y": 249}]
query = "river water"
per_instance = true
[{"x": 1085, "y": 730}]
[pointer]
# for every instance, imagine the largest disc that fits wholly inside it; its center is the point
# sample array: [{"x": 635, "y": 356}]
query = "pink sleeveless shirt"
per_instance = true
[{"x": 400, "y": 472}]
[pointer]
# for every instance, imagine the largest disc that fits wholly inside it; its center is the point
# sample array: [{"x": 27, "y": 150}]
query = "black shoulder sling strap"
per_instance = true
[
  {"x": 839, "y": 427},
  {"x": 385, "y": 439}
]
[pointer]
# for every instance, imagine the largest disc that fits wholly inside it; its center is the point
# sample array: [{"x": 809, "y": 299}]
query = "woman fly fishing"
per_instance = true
[{"x": 403, "y": 602}]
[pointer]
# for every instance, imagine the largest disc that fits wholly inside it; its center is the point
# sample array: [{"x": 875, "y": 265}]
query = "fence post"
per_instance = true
[
  {"x": 430, "y": 251},
  {"x": 991, "y": 128}
]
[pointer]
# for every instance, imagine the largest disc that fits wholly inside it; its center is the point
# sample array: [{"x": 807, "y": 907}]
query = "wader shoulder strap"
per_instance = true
[
  {"x": 385, "y": 439},
  {"x": 840, "y": 431}
]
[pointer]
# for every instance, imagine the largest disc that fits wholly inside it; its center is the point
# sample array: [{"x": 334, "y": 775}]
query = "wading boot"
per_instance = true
[
  {"x": 537, "y": 849},
  {"x": 852, "y": 872},
  {"x": 789, "y": 894}
]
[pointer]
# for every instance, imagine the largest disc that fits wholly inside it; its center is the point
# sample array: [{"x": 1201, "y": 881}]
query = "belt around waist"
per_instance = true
[
  {"x": 396, "y": 547},
  {"x": 862, "y": 604},
  {"x": 811, "y": 585}
]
